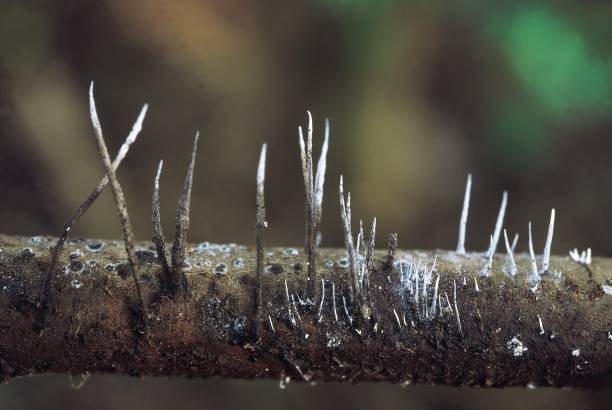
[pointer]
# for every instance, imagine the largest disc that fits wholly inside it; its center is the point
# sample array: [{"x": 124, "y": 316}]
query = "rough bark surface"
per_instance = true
[{"x": 500, "y": 341}]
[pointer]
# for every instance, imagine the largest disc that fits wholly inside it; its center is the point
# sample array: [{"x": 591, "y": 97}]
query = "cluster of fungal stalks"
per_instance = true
[{"x": 421, "y": 297}]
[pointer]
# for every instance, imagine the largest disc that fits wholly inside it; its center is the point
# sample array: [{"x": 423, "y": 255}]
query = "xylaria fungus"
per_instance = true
[
  {"x": 46, "y": 292},
  {"x": 547, "y": 247},
  {"x": 260, "y": 225},
  {"x": 534, "y": 277},
  {"x": 314, "y": 196},
  {"x": 583, "y": 259},
  {"x": 464, "y": 216},
  {"x": 158, "y": 237},
  {"x": 120, "y": 203},
  {"x": 391, "y": 248},
  {"x": 203, "y": 314},
  {"x": 498, "y": 225},
  {"x": 510, "y": 251},
  {"x": 178, "y": 284}
]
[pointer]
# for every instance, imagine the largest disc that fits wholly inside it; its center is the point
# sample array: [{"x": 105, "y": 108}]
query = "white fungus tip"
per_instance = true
[
  {"x": 464, "y": 216},
  {"x": 498, "y": 224},
  {"x": 548, "y": 245}
]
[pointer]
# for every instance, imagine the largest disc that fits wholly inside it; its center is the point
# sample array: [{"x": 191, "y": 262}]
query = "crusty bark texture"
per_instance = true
[{"x": 497, "y": 331}]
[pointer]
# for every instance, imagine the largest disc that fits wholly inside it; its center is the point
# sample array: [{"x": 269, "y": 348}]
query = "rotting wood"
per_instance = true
[{"x": 207, "y": 334}]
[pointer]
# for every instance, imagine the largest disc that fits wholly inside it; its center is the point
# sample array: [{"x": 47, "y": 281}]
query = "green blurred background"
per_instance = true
[{"x": 419, "y": 93}]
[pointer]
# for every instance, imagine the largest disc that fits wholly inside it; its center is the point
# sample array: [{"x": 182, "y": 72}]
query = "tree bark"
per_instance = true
[{"x": 498, "y": 331}]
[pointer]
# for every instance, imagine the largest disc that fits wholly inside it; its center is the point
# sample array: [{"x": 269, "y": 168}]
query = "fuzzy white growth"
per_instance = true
[
  {"x": 498, "y": 224},
  {"x": 583, "y": 258},
  {"x": 334, "y": 301},
  {"x": 516, "y": 346},
  {"x": 464, "y": 216},
  {"x": 547, "y": 246},
  {"x": 541, "y": 325},
  {"x": 510, "y": 256},
  {"x": 322, "y": 300},
  {"x": 456, "y": 308},
  {"x": 320, "y": 176},
  {"x": 534, "y": 278},
  {"x": 399, "y": 324}
]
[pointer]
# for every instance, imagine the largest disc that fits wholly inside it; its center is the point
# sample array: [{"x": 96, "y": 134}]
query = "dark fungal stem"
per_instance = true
[
  {"x": 121, "y": 205},
  {"x": 260, "y": 225},
  {"x": 345, "y": 215},
  {"x": 314, "y": 184},
  {"x": 391, "y": 248},
  {"x": 178, "y": 284},
  {"x": 310, "y": 241},
  {"x": 158, "y": 237}
]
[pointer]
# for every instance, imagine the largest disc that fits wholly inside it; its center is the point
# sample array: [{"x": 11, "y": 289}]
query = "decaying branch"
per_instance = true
[
  {"x": 490, "y": 336},
  {"x": 442, "y": 317}
]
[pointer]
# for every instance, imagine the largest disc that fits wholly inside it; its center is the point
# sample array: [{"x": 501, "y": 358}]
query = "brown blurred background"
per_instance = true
[{"x": 418, "y": 93}]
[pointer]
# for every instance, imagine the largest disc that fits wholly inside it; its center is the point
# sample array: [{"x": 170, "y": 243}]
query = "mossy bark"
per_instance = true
[{"x": 93, "y": 325}]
